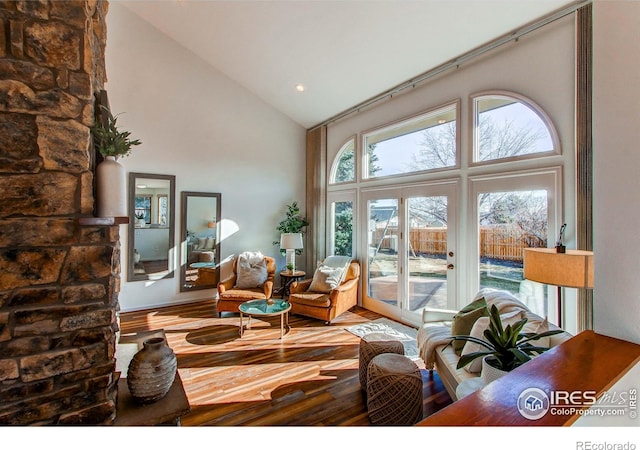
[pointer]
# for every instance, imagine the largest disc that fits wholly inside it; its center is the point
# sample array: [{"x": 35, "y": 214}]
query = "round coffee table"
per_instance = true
[{"x": 264, "y": 308}]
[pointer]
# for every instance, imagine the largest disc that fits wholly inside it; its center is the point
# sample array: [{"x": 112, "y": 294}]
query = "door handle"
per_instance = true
[{"x": 450, "y": 266}]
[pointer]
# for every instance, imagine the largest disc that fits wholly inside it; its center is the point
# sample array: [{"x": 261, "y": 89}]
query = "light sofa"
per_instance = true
[{"x": 434, "y": 337}]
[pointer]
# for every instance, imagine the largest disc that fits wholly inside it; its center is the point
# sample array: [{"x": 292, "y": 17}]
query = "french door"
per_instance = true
[{"x": 410, "y": 249}]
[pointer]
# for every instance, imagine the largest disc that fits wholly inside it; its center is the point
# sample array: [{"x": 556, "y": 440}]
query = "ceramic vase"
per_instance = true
[
  {"x": 490, "y": 373},
  {"x": 111, "y": 188},
  {"x": 152, "y": 371}
]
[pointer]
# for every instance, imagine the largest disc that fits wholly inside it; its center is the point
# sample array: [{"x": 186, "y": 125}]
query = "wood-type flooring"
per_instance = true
[{"x": 308, "y": 378}]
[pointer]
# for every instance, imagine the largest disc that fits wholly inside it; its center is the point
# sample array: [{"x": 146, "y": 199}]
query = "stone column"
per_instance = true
[{"x": 59, "y": 280}]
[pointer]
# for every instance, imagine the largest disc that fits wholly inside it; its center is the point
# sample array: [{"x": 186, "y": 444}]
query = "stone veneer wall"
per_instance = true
[{"x": 59, "y": 281}]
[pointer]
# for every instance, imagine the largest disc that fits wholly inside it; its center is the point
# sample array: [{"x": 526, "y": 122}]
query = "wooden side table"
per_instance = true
[
  {"x": 287, "y": 278},
  {"x": 166, "y": 411}
]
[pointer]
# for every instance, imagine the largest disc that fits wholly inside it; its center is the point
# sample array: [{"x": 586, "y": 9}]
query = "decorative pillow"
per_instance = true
[
  {"x": 202, "y": 242},
  {"x": 477, "y": 331},
  {"x": 336, "y": 262},
  {"x": 326, "y": 278},
  {"x": 209, "y": 243},
  {"x": 252, "y": 272},
  {"x": 465, "y": 318}
]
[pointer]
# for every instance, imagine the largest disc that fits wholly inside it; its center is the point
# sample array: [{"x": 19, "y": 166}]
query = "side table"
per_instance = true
[
  {"x": 287, "y": 278},
  {"x": 166, "y": 411}
]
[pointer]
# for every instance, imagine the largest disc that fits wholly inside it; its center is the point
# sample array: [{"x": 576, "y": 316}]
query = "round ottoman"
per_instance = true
[
  {"x": 375, "y": 344},
  {"x": 394, "y": 390}
]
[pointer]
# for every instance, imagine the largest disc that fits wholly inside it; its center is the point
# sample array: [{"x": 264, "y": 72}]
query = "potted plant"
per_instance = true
[
  {"x": 506, "y": 347},
  {"x": 294, "y": 222},
  {"x": 112, "y": 143},
  {"x": 290, "y": 268}
]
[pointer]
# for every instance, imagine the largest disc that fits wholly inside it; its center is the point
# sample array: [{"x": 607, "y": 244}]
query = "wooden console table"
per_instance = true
[{"x": 586, "y": 362}]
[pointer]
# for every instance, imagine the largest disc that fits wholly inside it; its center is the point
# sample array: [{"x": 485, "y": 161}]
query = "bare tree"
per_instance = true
[
  {"x": 499, "y": 140},
  {"x": 525, "y": 210},
  {"x": 437, "y": 148},
  {"x": 505, "y": 140}
]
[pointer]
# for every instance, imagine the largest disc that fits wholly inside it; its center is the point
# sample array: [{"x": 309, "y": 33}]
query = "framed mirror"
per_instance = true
[
  {"x": 200, "y": 240},
  {"x": 151, "y": 254}
]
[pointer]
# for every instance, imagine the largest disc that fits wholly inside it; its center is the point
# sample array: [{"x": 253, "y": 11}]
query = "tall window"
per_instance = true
[
  {"x": 163, "y": 207},
  {"x": 342, "y": 219},
  {"x": 472, "y": 234},
  {"x": 344, "y": 169},
  {"x": 508, "y": 223}
]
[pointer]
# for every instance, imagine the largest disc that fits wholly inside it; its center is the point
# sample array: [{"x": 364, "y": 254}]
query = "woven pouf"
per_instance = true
[
  {"x": 375, "y": 344},
  {"x": 394, "y": 390}
]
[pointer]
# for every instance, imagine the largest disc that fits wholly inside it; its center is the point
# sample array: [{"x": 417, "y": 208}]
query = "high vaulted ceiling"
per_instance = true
[{"x": 343, "y": 52}]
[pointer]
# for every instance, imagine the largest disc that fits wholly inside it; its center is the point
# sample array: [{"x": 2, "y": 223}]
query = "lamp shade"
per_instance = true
[
  {"x": 571, "y": 269},
  {"x": 291, "y": 240}
]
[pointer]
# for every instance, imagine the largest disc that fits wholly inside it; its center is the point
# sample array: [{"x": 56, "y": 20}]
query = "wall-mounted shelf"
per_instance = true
[{"x": 102, "y": 221}]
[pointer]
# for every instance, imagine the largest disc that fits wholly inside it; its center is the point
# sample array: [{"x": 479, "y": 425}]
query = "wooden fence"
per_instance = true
[{"x": 506, "y": 243}]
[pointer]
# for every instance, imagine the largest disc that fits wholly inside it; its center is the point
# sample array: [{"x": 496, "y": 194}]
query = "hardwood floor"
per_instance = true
[{"x": 308, "y": 378}]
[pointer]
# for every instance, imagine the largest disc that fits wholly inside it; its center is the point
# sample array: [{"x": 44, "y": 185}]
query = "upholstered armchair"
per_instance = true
[
  {"x": 241, "y": 286},
  {"x": 326, "y": 302}
]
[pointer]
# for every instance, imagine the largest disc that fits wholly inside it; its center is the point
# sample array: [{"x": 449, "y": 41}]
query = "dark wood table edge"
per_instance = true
[{"x": 587, "y": 361}]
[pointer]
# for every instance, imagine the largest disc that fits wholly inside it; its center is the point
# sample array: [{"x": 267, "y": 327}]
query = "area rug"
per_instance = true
[{"x": 399, "y": 331}]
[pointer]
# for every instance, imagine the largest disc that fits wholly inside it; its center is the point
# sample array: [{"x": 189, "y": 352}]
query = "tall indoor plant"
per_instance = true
[
  {"x": 293, "y": 222},
  {"x": 505, "y": 348},
  {"x": 112, "y": 143}
]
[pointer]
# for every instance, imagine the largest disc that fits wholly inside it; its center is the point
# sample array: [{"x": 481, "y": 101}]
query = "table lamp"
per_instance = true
[{"x": 291, "y": 242}]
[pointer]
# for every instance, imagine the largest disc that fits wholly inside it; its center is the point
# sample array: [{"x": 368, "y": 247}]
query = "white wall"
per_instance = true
[
  {"x": 616, "y": 180},
  {"x": 208, "y": 131},
  {"x": 538, "y": 66}
]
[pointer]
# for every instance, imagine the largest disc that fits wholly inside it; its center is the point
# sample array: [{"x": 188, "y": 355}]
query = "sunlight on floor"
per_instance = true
[{"x": 249, "y": 383}]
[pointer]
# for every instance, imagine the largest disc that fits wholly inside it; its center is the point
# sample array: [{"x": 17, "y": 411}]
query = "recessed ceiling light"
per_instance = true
[
  {"x": 141, "y": 186},
  {"x": 300, "y": 87}
]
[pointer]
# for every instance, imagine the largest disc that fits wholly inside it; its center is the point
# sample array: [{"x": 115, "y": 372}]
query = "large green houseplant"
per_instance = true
[
  {"x": 293, "y": 222},
  {"x": 505, "y": 348}
]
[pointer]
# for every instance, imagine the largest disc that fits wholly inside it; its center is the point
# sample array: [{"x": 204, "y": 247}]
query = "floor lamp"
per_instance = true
[{"x": 573, "y": 268}]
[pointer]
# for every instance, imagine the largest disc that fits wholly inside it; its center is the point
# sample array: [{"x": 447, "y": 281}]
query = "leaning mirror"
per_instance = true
[
  {"x": 200, "y": 240},
  {"x": 151, "y": 226}
]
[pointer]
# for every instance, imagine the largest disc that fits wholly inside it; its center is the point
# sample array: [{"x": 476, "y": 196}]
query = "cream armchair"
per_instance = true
[{"x": 326, "y": 305}]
